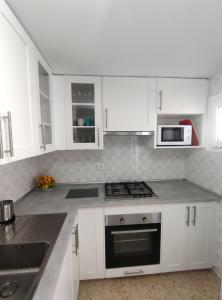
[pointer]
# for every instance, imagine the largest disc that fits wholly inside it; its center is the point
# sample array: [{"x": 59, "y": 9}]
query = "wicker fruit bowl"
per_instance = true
[{"x": 45, "y": 183}]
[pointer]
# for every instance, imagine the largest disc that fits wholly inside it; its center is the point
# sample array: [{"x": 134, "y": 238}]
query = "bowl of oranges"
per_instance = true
[{"x": 45, "y": 183}]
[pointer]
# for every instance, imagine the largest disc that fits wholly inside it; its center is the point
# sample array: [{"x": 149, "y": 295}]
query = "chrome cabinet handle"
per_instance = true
[
  {"x": 1, "y": 140},
  {"x": 134, "y": 272},
  {"x": 43, "y": 136},
  {"x": 106, "y": 112},
  {"x": 161, "y": 99},
  {"x": 188, "y": 216},
  {"x": 76, "y": 234},
  {"x": 98, "y": 136},
  {"x": 9, "y": 119},
  {"x": 194, "y": 215}
]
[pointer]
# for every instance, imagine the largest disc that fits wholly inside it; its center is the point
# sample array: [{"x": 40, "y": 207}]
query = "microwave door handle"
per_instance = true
[{"x": 134, "y": 231}]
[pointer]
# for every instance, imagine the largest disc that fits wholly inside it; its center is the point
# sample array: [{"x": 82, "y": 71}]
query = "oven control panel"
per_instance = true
[{"x": 132, "y": 219}]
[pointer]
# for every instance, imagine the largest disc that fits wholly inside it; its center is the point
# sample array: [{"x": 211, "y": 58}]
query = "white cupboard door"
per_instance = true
[
  {"x": 45, "y": 108},
  {"x": 16, "y": 101},
  {"x": 91, "y": 243},
  {"x": 129, "y": 104},
  {"x": 83, "y": 113},
  {"x": 174, "y": 238},
  {"x": 201, "y": 236},
  {"x": 64, "y": 286},
  {"x": 182, "y": 96}
]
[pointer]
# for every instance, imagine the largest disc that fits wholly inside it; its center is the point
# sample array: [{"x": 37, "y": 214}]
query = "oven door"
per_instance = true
[{"x": 132, "y": 245}]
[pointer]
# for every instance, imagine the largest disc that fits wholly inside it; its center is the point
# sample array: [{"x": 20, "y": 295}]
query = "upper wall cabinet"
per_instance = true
[
  {"x": 83, "y": 114},
  {"x": 25, "y": 96},
  {"x": 182, "y": 96},
  {"x": 129, "y": 104},
  {"x": 16, "y": 107}
]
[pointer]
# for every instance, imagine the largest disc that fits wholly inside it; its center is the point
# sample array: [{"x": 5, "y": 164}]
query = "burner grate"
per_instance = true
[{"x": 133, "y": 189}]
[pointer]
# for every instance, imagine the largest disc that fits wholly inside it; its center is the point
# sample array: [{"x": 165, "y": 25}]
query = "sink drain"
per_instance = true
[{"x": 8, "y": 288}]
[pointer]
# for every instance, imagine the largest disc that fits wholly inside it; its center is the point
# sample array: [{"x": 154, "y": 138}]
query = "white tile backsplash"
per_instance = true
[
  {"x": 121, "y": 159},
  {"x": 17, "y": 178}
]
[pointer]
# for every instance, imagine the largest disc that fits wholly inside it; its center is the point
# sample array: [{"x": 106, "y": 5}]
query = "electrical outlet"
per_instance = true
[{"x": 99, "y": 166}]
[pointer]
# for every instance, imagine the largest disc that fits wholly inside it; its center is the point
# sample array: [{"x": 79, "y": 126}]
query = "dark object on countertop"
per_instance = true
[
  {"x": 82, "y": 193},
  {"x": 6, "y": 212}
]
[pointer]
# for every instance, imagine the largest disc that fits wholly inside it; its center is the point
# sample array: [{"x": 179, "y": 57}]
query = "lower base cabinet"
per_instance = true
[
  {"x": 188, "y": 236},
  {"x": 64, "y": 286},
  {"x": 91, "y": 243}
]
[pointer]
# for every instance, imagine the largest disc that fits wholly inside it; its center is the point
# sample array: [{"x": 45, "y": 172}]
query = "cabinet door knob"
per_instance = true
[{"x": 122, "y": 221}]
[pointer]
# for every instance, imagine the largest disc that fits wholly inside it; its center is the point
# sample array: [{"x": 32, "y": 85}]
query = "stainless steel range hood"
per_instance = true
[{"x": 130, "y": 133}]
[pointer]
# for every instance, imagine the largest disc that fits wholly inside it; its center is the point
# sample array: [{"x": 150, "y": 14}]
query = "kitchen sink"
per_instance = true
[
  {"x": 22, "y": 256},
  {"x": 25, "y": 247}
]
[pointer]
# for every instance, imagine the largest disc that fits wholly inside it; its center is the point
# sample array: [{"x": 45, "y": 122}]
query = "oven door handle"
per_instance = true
[{"x": 134, "y": 231}]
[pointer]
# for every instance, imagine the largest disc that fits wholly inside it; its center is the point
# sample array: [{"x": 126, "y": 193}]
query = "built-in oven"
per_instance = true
[{"x": 132, "y": 240}]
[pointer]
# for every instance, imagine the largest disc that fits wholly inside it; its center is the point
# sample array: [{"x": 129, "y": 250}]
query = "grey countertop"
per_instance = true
[{"x": 53, "y": 201}]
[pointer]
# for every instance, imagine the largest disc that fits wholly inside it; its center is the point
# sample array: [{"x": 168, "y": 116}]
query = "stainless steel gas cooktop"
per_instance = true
[{"x": 128, "y": 189}]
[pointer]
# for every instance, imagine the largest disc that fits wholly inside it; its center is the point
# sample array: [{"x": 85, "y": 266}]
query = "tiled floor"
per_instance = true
[{"x": 192, "y": 285}]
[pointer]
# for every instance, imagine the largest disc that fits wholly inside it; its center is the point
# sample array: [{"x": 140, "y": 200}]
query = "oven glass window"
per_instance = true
[
  {"x": 126, "y": 244},
  {"x": 172, "y": 134}
]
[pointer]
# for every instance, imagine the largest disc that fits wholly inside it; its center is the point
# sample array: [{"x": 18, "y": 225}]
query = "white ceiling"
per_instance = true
[{"x": 181, "y": 38}]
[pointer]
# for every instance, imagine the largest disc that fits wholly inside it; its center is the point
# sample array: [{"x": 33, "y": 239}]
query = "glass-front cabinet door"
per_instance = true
[
  {"x": 45, "y": 126},
  {"x": 83, "y": 112}
]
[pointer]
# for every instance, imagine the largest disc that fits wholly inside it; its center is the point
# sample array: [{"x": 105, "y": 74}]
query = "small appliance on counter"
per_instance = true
[{"x": 6, "y": 212}]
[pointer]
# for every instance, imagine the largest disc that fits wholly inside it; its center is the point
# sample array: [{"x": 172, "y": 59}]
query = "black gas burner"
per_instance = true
[{"x": 126, "y": 190}]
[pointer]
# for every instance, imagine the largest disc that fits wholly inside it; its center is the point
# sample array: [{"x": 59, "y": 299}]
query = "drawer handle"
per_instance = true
[
  {"x": 194, "y": 215},
  {"x": 10, "y": 137},
  {"x": 126, "y": 273},
  {"x": 188, "y": 216}
]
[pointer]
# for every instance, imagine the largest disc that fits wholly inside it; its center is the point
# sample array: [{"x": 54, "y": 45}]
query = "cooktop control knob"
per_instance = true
[
  {"x": 145, "y": 219},
  {"x": 122, "y": 221}
]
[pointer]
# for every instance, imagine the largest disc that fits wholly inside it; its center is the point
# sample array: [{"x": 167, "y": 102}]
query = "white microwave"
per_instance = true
[{"x": 174, "y": 135}]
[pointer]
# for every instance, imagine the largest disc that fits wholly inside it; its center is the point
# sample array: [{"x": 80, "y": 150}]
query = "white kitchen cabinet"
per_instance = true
[
  {"x": 75, "y": 260},
  {"x": 201, "y": 235},
  {"x": 25, "y": 100},
  {"x": 129, "y": 104},
  {"x": 188, "y": 236},
  {"x": 83, "y": 115},
  {"x": 64, "y": 286},
  {"x": 16, "y": 106},
  {"x": 174, "y": 238},
  {"x": 182, "y": 96},
  {"x": 91, "y": 243}
]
